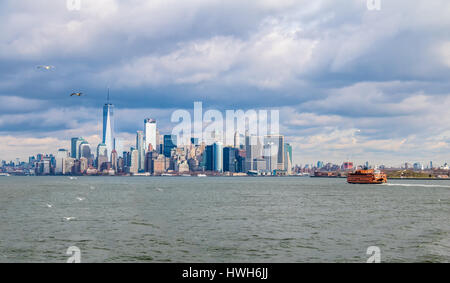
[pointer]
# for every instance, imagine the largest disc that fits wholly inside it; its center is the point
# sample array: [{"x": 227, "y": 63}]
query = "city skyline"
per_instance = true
[
  {"x": 374, "y": 98},
  {"x": 256, "y": 149}
]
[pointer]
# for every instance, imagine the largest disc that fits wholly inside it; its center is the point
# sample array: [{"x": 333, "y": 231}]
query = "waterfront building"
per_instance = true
[
  {"x": 240, "y": 156},
  {"x": 134, "y": 161},
  {"x": 84, "y": 150},
  {"x": 150, "y": 156},
  {"x": 69, "y": 162},
  {"x": 75, "y": 145},
  {"x": 276, "y": 152},
  {"x": 218, "y": 156},
  {"x": 288, "y": 158},
  {"x": 114, "y": 157},
  {"x": 194, "y": 141},
  {"x": 84, "y": 165},
  {"x": 170, "y": 142},
  {"x": 260, "y": 164},
  {"x": 159, "y": 165},
  {"x": 59, "y": 160},
  {"x": 418, "y": 166},
  {"x": 237, "y": 143},
  {"x": 118, "y": 145},
  {"x": 320, "y": 164},
  {"x": 150, "y": 135},
  {"x": 347, "y": 165},
  {"x": 253, "y": 149},
  {"x": 230, "y": 162},
  {"x": 140, "y": 146},
  {"x": 102, "y": 155},
  {"x": 108, "y": 126}
]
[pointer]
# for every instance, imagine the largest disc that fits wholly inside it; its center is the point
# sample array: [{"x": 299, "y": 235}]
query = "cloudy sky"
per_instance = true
[{"x": 350, "y": 83}]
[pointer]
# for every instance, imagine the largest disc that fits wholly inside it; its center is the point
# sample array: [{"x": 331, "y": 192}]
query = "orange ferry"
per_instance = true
[{"x": 368, "y": 176}]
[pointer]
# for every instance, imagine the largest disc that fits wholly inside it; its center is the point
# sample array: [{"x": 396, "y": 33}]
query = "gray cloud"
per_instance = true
[{"x": 331, "y": 66}]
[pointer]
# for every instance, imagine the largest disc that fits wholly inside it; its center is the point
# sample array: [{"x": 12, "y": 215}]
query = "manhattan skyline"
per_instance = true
[{"x": 350, "y": 83}]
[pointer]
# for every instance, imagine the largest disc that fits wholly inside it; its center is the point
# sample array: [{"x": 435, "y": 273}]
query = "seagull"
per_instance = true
[
  {"x": 49, "y": 205},
  {"x": 76, "y": 93},
  {"x": 45, "y": 67}
]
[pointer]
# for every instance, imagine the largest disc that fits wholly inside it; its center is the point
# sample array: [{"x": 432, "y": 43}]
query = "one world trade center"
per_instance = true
[{"x": 108, "y": 126}]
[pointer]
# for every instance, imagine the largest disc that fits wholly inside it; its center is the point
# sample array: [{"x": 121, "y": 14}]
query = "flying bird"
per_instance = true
[
  {"x": 76, "y": 93},
  {"x": 45, "y": 67}
]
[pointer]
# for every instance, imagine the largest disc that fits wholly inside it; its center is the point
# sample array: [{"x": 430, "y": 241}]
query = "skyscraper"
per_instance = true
[
  {"x": 134, "y": 161},
  {"x": 102, "y": 155},
  {"x": 150, "y": 133},
  {"x": 277, "y": 150},
  {"x": 108, "y": 126},
  {"x": 237, "y": 143},
  {"x": 61, "y": 155},
  {"x": 230, "y": 162},
  {"x": 218, "y": 156},
  {"x": 140, "y": 146},
  {"x": 208, "y": 157},
  {"x": 84, "y": 150},
  {"x": 288, "y": 158},
  {"x": 253, "y": 150},
  {"x": 75, "y": 146},
  {"x": 170, "y": 141}
]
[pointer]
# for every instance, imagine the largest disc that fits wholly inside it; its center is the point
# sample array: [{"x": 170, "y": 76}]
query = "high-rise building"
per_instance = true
[
  {"x": 237, "y": 143},
  {"x": 102, "y": 155},
  {"x": 218, "y": 156},
  {"x": 114, "y": 158},
  {"x": 84, "y": 165},
  {"x": 230, "y": 161},
  {"x": 149, "y": 159},
  {"x": 75, "y": 146},
  {"x": 276, "y": 143},
  {"x": 347, "y": 165},
  {"x": 194, "y": 141},
  {"x": 140, "y": 146},
  {"x": 150, "y": 134},
  {"x": 170, "y": 141},
  {"x": 68, "y": 165},
  {"x": 134, "y": 162},
  {"x": 253, "y": 148},
  {"x": 59, "y": 159},
  {"x": 84, "y": 150},
  {"x": 288, "y": 158},
  {"x": 108, "y": 126},
  {"x": 208, "y": 158},
  {"x": 159, "y": 165},
  {"x": 118, "y": 145}
]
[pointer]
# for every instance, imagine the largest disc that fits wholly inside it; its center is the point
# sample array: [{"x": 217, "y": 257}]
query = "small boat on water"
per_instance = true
[
  {"x": 4, "y": 175},
  {"x": 367, "y": 176},
  {"x": 201, "y": 175}
]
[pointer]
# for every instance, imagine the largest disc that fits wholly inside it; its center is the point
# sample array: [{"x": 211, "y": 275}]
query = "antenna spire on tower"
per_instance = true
[{"x": 108, "y": 96}]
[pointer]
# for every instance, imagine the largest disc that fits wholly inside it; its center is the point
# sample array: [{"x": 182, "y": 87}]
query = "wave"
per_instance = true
[{"x": 415, "y": 185}]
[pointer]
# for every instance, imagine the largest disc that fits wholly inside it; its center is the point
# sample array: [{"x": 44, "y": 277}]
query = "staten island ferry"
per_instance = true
[{"x": 367, "y": 176}]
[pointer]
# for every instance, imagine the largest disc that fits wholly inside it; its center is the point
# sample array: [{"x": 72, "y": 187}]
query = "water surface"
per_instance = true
[{"x": 222, "y": 219}]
